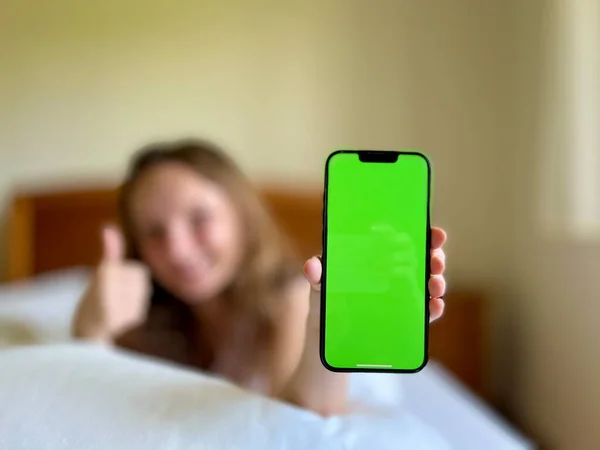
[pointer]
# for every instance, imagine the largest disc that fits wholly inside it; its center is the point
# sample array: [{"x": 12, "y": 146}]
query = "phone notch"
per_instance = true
[{"x": 378, "y": 156}]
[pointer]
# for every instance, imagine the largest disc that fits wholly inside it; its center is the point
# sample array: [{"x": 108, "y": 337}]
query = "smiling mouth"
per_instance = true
[{"x": 193, "y": 273}]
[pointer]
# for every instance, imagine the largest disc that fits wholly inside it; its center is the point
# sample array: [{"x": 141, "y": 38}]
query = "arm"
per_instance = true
[
  {"x": 311, "y": 385},
  {"x": 289, "y": 336},
  {"x": 301, "y": 377}
]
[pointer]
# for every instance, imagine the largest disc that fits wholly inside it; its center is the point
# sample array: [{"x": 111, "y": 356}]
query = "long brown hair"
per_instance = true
[{"x": 268, "y": 261}]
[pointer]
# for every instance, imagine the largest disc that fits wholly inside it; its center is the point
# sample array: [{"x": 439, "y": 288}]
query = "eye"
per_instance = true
[{"x": 154, "y": 232}]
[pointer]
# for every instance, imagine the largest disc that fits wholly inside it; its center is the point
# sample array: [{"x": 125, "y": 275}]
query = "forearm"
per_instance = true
[{"x": 313, "y": 386}]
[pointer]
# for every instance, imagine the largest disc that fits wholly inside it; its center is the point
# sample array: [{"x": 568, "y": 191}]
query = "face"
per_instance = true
[{"x": 188, "y": 231}]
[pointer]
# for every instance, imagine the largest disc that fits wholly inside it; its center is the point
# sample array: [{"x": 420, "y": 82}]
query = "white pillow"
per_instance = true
[
  {"x": 77, "y": 396},
  {"x": 39, "y": 310}
]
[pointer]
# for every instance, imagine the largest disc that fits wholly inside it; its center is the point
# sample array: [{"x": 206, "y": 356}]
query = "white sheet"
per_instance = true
[
  {"x": 72, "y": 396},
  {"x": 413, "y": 409},
  {"x": 439, "y": 400}
]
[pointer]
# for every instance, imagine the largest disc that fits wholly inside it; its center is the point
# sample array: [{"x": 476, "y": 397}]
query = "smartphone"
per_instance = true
[{"x": 374, "y": 285}]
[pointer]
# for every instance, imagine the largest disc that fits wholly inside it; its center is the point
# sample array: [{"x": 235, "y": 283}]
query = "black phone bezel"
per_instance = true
[{"x": 373, "y": 156}]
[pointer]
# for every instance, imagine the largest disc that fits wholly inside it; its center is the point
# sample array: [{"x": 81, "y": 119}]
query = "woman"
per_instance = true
[{"x": 200, "y": 275}]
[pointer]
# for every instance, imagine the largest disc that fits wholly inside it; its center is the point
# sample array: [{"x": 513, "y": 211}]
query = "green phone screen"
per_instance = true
[{"x": 375, "y": 261}]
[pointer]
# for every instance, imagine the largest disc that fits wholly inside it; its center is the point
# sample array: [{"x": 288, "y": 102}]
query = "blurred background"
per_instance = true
[{"x": 503, "y": 96}]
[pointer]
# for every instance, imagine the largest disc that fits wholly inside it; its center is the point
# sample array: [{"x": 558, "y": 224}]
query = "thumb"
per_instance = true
[
  {"x": 113, "y": 244},
  {"x": 312, "y": 272}
]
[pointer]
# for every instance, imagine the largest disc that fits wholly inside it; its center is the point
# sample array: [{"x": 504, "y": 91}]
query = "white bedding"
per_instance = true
[
  {"x": 71, "y": 396},
  {"x": 68, "y": 395}
]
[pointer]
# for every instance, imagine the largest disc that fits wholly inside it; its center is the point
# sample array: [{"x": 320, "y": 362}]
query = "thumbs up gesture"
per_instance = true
[{"x": 117, "y": 298}]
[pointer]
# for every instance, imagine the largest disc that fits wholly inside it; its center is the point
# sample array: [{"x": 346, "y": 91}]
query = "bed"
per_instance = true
[{"x": 52, "y": 248}]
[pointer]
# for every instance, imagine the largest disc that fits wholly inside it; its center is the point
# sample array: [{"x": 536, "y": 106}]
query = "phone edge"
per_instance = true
[{"x": 324, "y": 263}]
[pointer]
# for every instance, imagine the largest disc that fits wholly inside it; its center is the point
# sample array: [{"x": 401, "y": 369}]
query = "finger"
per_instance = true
[
  {"x": 113, "y": 244},
  {"x": 438, "y": 262},
  {"x": 436, "y": 308},
  {"x": 312, "y": 272},
  {"x": 440, "y": 253},
  {"x": 437, "y": 286},
  {"x": 438, "y": 237}
]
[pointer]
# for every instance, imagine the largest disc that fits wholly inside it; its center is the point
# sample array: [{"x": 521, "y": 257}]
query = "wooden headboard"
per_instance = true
[{"x": 57, "y": 229}]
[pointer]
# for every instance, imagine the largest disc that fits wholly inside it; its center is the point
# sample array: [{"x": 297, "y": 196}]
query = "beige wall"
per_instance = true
[
  {"x": 554, "y": 344},
  {"x": 81, "y": 85}
]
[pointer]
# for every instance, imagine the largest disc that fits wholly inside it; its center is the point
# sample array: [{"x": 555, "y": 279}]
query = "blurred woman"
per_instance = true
[{"x": 199, "y": 274}]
